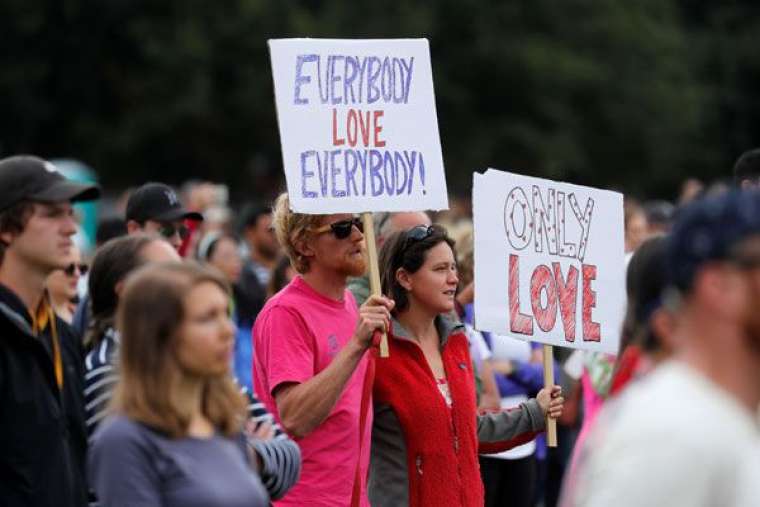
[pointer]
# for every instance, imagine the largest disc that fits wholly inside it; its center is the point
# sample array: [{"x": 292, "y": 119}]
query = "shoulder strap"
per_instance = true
[{"x": 369, "y": 380}]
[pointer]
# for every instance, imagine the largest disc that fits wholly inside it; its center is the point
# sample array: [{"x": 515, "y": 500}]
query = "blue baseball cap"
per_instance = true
[{"x": 707, "y": 230}]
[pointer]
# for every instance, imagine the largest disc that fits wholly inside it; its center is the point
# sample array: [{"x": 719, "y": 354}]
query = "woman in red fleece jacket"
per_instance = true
[{"x": 426, "y": 432}]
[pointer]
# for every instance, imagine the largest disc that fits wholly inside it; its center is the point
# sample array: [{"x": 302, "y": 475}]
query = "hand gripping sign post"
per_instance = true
[
  {"x": 359, "y": 129},
  {"x": 549, "y": 264}
]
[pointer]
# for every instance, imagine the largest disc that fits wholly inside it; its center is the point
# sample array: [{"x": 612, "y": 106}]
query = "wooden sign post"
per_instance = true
[
  {"x": 551, "y": 424},
  {"x": 374, "y": 271}
]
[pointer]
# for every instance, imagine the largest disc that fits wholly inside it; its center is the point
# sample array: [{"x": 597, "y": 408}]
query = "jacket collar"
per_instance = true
[
  {"x": 444, "y": 324},
  {"x": 14, "y": 310}
]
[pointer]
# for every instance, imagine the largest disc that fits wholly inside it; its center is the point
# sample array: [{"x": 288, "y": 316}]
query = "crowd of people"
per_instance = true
[{"x": 204, "y": 357}]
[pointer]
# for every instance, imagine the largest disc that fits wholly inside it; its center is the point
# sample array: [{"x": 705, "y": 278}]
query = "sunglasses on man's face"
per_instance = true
[
  {"x": 169, "y": 230},
  {"x": 72, "y": 268},
  {"x": 342, "y": 229}
]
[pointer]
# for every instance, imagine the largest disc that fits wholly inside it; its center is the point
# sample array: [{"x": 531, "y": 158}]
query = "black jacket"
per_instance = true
[{"x": 43, "y": 441}]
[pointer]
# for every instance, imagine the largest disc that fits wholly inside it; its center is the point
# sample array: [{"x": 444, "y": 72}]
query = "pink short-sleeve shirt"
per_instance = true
[{"x": 296, "y": 336}]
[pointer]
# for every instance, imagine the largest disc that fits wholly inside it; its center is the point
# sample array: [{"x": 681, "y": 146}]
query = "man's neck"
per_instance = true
[
  {"x": 330, "y": 284},
  {"x": 723, "y": 357},
  {"x": 27, "y": 283},
  {"x": 265, "y": 261}
]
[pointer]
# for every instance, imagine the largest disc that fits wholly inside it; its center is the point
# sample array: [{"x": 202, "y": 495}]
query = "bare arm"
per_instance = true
[{"x": 305, "y": 406}]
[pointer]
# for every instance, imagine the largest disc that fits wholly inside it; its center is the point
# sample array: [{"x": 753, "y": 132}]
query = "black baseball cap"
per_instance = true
[
  {"x": 26, "y": 177},
  {"x": 159, "y": 202}
]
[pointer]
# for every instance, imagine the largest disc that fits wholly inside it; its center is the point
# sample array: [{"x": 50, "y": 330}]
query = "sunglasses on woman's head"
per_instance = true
[
  {"x": 342, "y": 229},
  {"x": 418, "y": 233},
  {"x": 169, "y": 230},
  {"x": 73, "y": 267}
]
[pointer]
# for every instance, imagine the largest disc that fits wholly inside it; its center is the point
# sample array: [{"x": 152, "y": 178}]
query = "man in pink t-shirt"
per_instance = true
[{"x": 311, "y": 358}]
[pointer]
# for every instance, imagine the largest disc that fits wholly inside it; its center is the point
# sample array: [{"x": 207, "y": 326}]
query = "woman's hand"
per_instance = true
[{"x": 550, "y": 400}]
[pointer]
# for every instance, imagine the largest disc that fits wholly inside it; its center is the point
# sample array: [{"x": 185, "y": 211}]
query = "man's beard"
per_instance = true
[{"x": 354, "y": 266}]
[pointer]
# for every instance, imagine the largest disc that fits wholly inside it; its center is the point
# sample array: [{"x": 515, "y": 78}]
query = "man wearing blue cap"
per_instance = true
[
  {"x": 42, "y": 434},
  {"x": 687, "y": 434}
]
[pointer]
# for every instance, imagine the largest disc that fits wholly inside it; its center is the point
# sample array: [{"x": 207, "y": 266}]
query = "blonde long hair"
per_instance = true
[{"x": 150, "y": 314}]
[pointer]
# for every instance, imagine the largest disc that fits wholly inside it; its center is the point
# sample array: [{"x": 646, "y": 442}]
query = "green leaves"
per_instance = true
[{"x": 632, "y": 95}]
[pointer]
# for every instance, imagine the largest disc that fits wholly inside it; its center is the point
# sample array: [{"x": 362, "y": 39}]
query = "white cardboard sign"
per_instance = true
[
  {"x": 549, "y": 262},
  {"x": 358, "y": 125}
]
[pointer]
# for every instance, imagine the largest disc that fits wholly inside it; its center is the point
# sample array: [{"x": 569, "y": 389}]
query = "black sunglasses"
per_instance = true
[
  {"x": 73, "y": 267},
  {"x": 342, "y": 229},
  {"x": 169, "y": 230},
  {"x": 418, "y": 233}
]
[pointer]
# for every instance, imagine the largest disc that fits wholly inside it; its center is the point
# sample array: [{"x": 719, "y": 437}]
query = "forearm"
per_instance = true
[
  {"x": 280, "y": 464},
  {"x": 305, "y": 406},
  {"x": 509, "y": 424}
]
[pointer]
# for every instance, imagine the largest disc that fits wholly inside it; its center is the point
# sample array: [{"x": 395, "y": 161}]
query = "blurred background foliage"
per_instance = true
[{"x": 635, "y": 96}]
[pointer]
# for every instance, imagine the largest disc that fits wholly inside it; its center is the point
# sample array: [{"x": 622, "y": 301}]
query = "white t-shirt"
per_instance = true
[
  {"x": 673, "y": 439},
  {"x": 506, "y": 347}
]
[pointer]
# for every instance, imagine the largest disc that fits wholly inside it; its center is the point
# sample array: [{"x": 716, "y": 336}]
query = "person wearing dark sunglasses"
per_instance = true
[
  {"x": 311, "y": 366},
  {"x": 426, "y": 432},
  {"x": 62, "y": 286},
  {"x": 154, "y": 208}
]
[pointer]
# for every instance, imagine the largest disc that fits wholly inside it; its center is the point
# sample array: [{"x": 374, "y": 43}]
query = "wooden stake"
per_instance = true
[
  {"x": 551, "y": 424},
  {"x": 374, "y": 270}
]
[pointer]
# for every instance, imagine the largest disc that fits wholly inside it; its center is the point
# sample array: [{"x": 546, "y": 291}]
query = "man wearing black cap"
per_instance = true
[
  {"x": 687, "y": 434},
  {"x": 155, "y": 208},
  {"x": 43, "y": 441}
]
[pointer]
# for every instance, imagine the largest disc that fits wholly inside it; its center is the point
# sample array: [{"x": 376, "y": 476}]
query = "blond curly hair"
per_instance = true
[{"x": 292, "y": 229}]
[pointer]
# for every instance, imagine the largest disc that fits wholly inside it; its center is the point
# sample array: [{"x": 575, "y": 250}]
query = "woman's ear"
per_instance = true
[{"x": 403, "y": 279}]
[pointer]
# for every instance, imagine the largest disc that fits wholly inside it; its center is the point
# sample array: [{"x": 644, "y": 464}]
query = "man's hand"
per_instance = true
[
  {"x": 374, "y": 314},
  {"x": 550, "y": 400}
]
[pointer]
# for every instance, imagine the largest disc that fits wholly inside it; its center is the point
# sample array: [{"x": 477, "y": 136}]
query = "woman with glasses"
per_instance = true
[
  {"x": 175, "y": 438},
  {"x": 426, "y": 432},
  {"x": 62, "y": 286}
]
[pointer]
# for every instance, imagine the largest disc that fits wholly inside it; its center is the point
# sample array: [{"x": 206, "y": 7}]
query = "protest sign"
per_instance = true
[
  {"x": 549, "y": 262},
  {"x": 358, "y": 125},
  {"x": 359, "y": 130}
]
